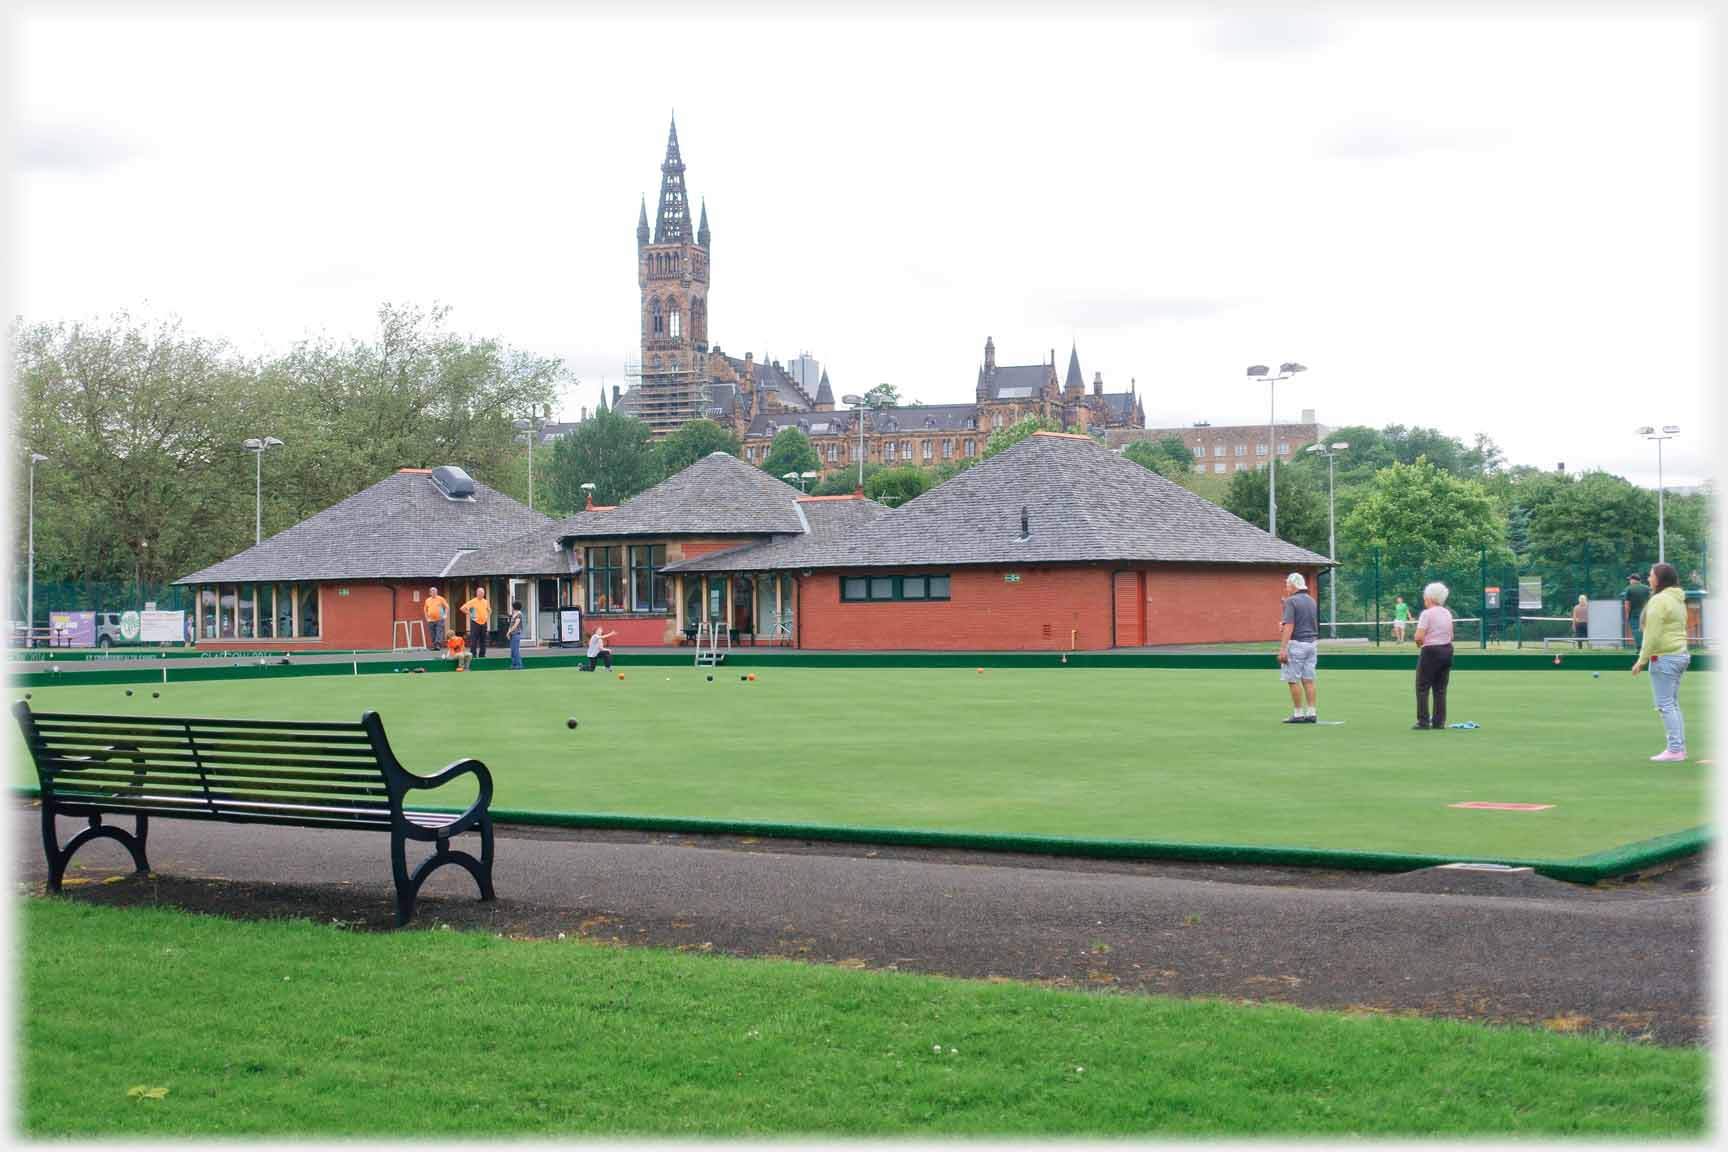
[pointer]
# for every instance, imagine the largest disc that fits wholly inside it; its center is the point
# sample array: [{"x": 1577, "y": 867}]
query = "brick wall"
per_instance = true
[{"x": 1162, "y": 604}]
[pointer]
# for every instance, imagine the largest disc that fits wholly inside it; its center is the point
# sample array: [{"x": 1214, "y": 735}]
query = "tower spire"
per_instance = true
[
  {"x": 702, "y": 229},
  {"x": 673, "y": 225},
  {"x": 642, "y": 223},
  {"x": 1074, "y": 380}
]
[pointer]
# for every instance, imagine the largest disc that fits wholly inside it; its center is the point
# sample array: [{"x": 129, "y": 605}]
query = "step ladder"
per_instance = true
[{"x": 709, "y": 639}]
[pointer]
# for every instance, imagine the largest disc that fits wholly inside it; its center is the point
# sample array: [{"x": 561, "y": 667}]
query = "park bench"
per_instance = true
[{"x": 285, "y": 773}]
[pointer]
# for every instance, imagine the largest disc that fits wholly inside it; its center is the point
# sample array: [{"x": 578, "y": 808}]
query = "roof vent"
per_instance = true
[
  {"x": 453, "y": 482},
  {"x": 1025, "y": 524}
]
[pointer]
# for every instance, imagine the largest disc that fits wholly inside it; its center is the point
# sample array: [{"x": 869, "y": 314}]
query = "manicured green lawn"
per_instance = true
[
  {"x": 1189, "y": 755},
  {"x": 293, "y": 1029}
]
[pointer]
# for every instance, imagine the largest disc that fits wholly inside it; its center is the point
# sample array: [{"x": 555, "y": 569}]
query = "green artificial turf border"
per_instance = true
[
  {"x": 1401, "y": 661},
  {"x": 1587, "y": 869}
]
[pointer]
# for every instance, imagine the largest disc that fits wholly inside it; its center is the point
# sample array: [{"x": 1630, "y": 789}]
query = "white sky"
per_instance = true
[{"x": 1480, "y": 222}]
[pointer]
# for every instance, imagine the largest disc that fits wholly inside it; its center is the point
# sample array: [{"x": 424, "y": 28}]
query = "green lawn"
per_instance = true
[
  {"x": 292, "y": 1029},
  {"x": 1187, "y": 755}
]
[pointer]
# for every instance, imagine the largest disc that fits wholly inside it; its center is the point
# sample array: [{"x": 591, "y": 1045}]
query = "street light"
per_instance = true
[
  {"x": 1669, "y": 431},
  {"x": 258, "y": 447},
  {"x": 1285, "y": 371},
  {"x": 30, "y": 581},
  {"x": 1329, "y": 451},
  {"x": 806, "y": 477},
  {"x": 532, "y": 428}
]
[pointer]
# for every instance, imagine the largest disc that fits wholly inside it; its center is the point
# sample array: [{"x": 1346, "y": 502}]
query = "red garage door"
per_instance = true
[{"x": 1129, "y": 596}]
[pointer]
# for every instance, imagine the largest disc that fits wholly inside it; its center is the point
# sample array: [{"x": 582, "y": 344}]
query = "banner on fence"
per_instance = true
[
  {"x": 1530, "y": 592},
  {"x": 77, "y": 629},
  {"x": 161, "y": 627}
]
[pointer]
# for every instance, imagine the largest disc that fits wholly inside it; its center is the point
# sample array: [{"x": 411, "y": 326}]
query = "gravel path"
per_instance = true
[{"x": 1628, "y": 957}]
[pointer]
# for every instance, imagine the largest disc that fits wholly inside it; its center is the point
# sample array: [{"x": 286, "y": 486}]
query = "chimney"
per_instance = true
[
  {"x": 989, "y": 354},
  {"x": 1097, "y": 383},
  {"x": 590, "y": 495},
  {"x": 1307, "y": 415}
]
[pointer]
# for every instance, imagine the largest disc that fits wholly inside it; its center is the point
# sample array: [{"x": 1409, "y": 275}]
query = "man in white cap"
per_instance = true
[{"x": 1298, "y": 647}]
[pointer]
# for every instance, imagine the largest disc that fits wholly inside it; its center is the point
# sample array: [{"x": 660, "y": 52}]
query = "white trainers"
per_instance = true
[{"x": 1667, "y": 757}]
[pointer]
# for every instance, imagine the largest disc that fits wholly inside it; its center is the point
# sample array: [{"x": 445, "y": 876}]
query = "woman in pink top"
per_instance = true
[{"x": 1434, "y": 665}]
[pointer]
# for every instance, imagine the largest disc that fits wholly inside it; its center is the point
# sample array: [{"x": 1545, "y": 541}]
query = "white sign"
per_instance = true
[
  {"x": 1529, "y": 591},
  {"x": 128, "y": 626},
  {"x": 569, "y": 625},
  {"x": 161, "y": 627}
]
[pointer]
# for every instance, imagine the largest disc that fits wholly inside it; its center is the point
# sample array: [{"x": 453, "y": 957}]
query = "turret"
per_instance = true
[
  {"x": 702, "y": 229},
  {"x": 642, "y": 224}
]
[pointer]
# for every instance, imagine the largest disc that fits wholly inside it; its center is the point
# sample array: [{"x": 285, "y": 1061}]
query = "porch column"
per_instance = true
[{"x": 678, "y": 603}]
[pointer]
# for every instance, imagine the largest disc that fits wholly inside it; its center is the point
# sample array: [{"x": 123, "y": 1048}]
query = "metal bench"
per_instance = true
[{"x": 299, "y": 774}]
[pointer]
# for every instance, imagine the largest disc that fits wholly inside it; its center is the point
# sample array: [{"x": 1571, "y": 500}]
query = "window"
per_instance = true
[
  {"x": 717, "y": 599},
  {"x": 266, "y": 611},
  {"x": 948, "y": 449},
  {"x": 1283, "y": 447},
  {"x": 658, "y": 326},
  {"x": 225, "y": 610},
  {"x": 308, "y": 610},
  {"x": 893, "y": 588},
  {"x": 207, "y": 613},
  {"x": 1241, "y": 466},
  {"x": 673, "y": 327},
  {"x": 247, "y": 615},
  {"x": 284, "y": 611},
  {"x": 929, "y": 449},
  {"x": 1259, "y": 449},
  {"x": 888, "y": 449},
  {"x": 606, "y": 579},
  {"x": 968, "y": 448},
  {"x": 833, "y": 453},
  {"x": 1218, "y": 450},
  {"x": 692, "y": 601},
  {"x": 1241, "y": 449},
  {"x": 1199, "y": 450},
  {"x": 647, "y": 582},
  {"x": 1218, "y": 467}
]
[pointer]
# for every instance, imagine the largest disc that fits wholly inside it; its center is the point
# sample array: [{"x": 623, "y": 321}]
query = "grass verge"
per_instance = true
[{"x": 295, "y": 1029}]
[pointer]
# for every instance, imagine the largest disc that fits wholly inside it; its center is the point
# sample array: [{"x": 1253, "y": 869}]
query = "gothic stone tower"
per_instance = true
[{"x": 672, "y": 272}]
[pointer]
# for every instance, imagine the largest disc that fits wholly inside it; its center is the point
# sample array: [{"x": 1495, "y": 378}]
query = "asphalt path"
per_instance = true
[{"x": 1629, "y": 957}]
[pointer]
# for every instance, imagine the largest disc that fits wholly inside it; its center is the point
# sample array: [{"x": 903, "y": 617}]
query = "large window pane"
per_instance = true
[
  {"x": 717, "y": 599},
  {"x": 246, "y": 614},
  {"x": 605, "y": 579},
  {"x": 854, "y": 588},
  {"x": 207, "y": 614},
  {"x": 647, "y": 582},
  {"x": 225, "y": 611},
  {"x": 938, "y": 587},
  {"x": 308, "y": 610},
  {"x": 266, "y": 615},
  {"x": 284, "y": 612},
  {"x": 912, "y": 588}
]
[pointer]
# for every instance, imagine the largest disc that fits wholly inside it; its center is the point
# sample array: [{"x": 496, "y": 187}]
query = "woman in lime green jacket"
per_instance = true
[{"x": 1665, "y": 654}]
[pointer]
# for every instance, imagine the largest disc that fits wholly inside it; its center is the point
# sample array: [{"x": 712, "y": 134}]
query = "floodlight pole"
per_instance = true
[
  {"x": 858, "y": 403},
  {"x": 1329, "y": 451},
  {"x": 30, "y": 580},
  {"x": 1285, "y": 371},
  {"x": 258, "y": 445},
  {"x": 531, "y": 428},
  {"x": 1669, "y": 431}
]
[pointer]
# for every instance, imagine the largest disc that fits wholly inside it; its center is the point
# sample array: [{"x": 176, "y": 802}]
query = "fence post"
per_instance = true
[
  {"x": 1376, "y": 597},
  {"x": 1482, "y": 602}
]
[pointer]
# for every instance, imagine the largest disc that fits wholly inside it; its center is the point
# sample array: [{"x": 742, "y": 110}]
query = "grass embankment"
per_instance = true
[{"x": 294, "y": 1029}]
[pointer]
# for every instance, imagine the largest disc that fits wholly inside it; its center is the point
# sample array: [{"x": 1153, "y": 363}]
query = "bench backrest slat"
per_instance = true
[{"x": 263, "y": 770}]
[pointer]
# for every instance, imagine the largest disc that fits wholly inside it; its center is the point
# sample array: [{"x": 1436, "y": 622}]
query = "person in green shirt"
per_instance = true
[
  {"x": 1665, "y": 653},
  {"x": 1400, "y": 618},
  {"x": 1636, "y": 596}
]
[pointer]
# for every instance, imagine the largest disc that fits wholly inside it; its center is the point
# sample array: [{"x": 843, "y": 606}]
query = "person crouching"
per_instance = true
[{"x": 1434, "y": 665}]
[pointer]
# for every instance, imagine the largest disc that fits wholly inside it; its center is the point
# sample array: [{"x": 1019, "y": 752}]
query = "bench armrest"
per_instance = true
[{"x": 458, "y": 768}]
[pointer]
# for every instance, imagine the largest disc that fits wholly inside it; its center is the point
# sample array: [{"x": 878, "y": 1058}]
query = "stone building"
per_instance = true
[
  {"x": 1224, "y": 448},
  {"x": 685, "y": 376}
]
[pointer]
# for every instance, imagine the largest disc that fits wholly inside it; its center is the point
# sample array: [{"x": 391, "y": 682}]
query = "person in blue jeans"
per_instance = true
[
  {"x": 1666, "y": 653},
  {"x": 515, "y": 634}
]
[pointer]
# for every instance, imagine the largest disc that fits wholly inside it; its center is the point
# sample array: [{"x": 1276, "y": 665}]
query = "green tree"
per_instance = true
[
  {"x": 883, "y": 396},
  {"x": 843, "y": 481},
  {"x": 1598, "y": 516},
  {"x": 895, "y": 486},
  {"x": 1167, "y": 455},
  {"x": 791, "y": 451},
  {"x": 1301, "y": 504},
  {"x": 1423, "y": 517},
  {"x": 695, "y": 440},
  {"x": 1005, "y": 438},
  {"x": 615, "y": 453}
]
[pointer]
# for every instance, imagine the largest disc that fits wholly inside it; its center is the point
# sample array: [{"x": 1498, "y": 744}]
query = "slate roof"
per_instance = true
[
  {"x": 534, "y": 553},
  {"x": 1082, "y": 503},
  {"x": 402, "y": 527},
  {"x": 910, "y": 418},
  {"x": 775, "y": 378},
  {"x": 719, "y": 495},
  {"x": 832, "y": 521},
  {"x": 1015, "y": 377}
]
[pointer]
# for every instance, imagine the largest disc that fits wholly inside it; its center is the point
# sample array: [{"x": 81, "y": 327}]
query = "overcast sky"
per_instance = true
[{"x": 1477, "y": 221}]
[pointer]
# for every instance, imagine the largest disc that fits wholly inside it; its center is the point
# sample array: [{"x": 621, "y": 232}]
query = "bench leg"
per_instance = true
[
  {"x": 405, "y": 887},
  {"x": 408, "y": 885},
  {"x": 59, "y": 857}
]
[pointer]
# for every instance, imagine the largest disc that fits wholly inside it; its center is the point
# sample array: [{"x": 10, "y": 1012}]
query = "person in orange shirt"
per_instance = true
[
  {"x": 437, "y": 609},
  {"x": 458, "y": 652},
  {"x": 479, "y": 611}
]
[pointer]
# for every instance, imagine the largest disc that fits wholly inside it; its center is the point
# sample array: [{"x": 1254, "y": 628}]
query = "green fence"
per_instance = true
[
  {"x": 95, "y": 596},
  {"x": 1495, "y": 602}
]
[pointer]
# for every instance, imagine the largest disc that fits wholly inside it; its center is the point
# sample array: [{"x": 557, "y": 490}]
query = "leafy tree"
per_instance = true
[
  {"x": 883, "y": 395},
  {"x": 1167, "y": 455},
  {"x": 615, "y": 453},
  {"x": 1301, "y": 504},
  {"x": 1421, "y": 516},
  {"x": 695, "y": 440},
  {"x": 844, "y": 481},
  {"x": 1597, "y": 515},
  {"x": 895, "y": 486},
  {"x": 1005, "y": 438},
  {"x": 949, "y": 469},
  {"x": 791, "y": 451}
]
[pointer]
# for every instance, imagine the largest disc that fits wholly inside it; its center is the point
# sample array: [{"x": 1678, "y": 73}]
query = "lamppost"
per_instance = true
[
  {"x": 858, "y": 403},
  {"x": 1329, "y": 451},
  {"x": 1285, "y": 371},
  {"x": 532, "y": 427},
  {"x": 258, "y": 447},
  {"x": 1669, "y": 431},
  {"x": 805, "y": 478},
  {"x": 30, "y": 580}
]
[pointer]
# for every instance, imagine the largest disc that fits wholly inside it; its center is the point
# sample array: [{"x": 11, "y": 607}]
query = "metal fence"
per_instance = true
[
  {"x": 1496, "y": 602},
  {"x": 94, "y": 596}
]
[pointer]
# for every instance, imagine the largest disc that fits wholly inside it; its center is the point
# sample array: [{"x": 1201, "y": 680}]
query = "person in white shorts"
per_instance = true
[{"x": 1298, "y": 648}]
